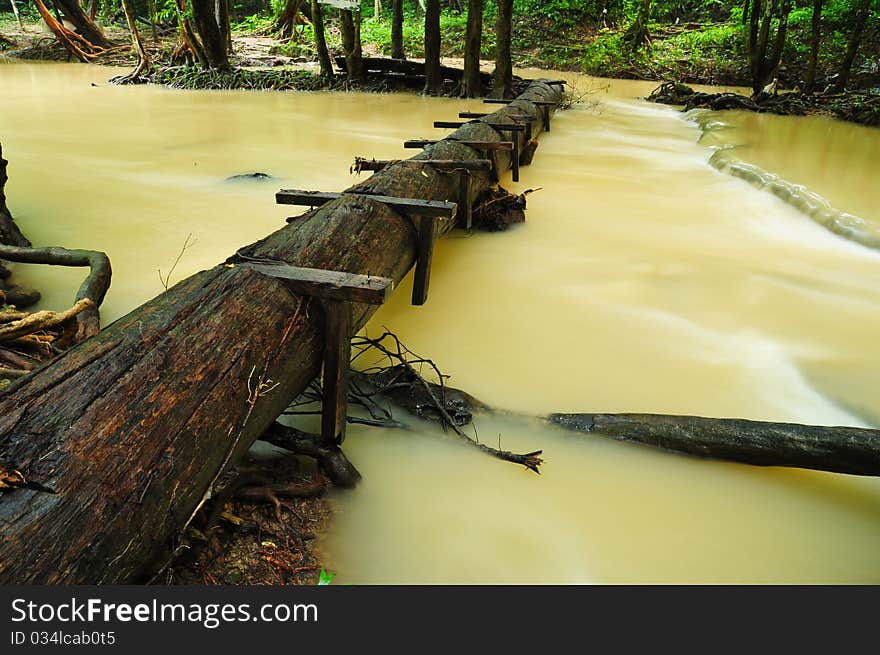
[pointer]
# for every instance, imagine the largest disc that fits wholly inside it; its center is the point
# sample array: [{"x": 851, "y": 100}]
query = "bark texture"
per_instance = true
[
  {"x": 503, "y": 82},
  {"x": 471, "y": 83},
  {"x": 838, "y": 449},
  {"x": 9, "y": 232},
  {"x": 433, "y": 78},
  {"x": 132, "y": 428}
]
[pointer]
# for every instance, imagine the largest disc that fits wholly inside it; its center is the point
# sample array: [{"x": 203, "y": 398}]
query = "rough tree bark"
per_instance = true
[
  {"x": 815, "y": 39},
  {"x": 210, "y": 34},
  {"x": 285, "y": 23},
  {"x": 764, "y": 59},
  {"x": 853, "y": 46},
  {"x": 321, "y": 40},
  {"x": 350, "y": 26},
  {"x": 471, "y": 83},
  {"x": 855, "y": 451},
  {"x": 397, "y": 30},
  {"x": 432, "y": 48},
  {"x": 143, "y": 62},
  {"x": 132, "y": 428},
  {"x": 85, "y": 26},
  {"x": 503, "y": 82}
]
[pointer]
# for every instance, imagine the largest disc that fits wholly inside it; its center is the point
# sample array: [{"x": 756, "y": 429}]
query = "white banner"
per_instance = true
[{"x": 342, "y": 4}]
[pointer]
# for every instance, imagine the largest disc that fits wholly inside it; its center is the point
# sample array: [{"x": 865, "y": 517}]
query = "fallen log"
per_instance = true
[
  {"x": 855, "y": 451},
  {"x": 850, "y": 450},
  {"x": 133, "y": 428}
]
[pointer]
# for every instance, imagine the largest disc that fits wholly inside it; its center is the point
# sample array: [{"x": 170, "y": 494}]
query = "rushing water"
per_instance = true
[{"x": 644, "y": 280}]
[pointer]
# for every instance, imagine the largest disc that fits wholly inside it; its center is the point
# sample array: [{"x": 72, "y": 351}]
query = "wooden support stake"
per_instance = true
[
  {"x": 423, "y": 263},
  {"x": 337, "y": 356},
  {"x": 465, "y": 218},
  {"x": 336, "y": 291}
]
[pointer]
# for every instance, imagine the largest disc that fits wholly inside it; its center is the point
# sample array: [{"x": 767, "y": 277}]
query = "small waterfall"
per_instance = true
[{"x": 810, "y": 203}]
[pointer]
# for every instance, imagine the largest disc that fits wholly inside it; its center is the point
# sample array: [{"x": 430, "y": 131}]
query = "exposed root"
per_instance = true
[{"x": 435, "y": 400}]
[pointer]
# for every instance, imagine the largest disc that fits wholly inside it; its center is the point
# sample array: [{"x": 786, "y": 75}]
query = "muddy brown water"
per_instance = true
[{"x": 643, "y": 280}]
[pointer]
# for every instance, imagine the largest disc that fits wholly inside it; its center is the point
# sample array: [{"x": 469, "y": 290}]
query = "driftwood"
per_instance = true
[
  {"x": 850, "y": 450},
  {"x": 824, "y": 448},
  {"x": 133, "y": 428}
]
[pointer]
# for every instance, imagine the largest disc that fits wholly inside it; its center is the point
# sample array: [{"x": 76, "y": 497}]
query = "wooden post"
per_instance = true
[
  {"x": 337, "y": 355},
  {"x": 337, "y": 291},
  {"x": 466, "y": 212},
  {"x": 423, "y": 263}
]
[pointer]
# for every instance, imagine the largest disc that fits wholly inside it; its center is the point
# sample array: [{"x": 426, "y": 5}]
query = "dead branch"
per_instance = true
[
  {"x": 94, "y": 287},
  {"x": 435, "y": 394},
  {"x": 42, "y": 321}
]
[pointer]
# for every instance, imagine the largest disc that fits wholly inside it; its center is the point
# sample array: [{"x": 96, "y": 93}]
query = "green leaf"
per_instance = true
[{"x": 325, "y": 578}]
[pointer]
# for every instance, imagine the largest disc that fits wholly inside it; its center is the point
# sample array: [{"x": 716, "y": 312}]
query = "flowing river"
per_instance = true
[{"x": 645, "y": 280}]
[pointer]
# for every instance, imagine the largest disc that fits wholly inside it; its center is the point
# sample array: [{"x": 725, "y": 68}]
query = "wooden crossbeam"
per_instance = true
[
  {"x": 330, "y": 285},
  {"x": 435, "y": 208},
  {"x": 514, "y": 158},
  {"x": 439, "y": 164},
  {"x": 543, "y": 106},
  {"x": 336, "y": 290},
  {"x": 510, "y": 127},
  {"x": 477, "y": 145},
  {"x": 501, "y": 101},
  {"x": 477, "y": 114},
  {"x": 427, "y": 211}
]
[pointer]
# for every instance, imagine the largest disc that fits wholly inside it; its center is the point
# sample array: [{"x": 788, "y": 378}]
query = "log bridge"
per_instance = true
[{"x": 124, "y": 437}]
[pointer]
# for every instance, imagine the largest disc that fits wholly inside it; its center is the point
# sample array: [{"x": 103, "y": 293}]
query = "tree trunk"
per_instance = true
[
  {"x": 503, "y": 84},
  {"x": 137, "y": 44},
  {"x": 221, "y": 15},
  {"x": 852, "y": 47},
  {"x": 132, "y": 429},
  {"x": 9, "y": 232},
  {"x": 17, "y": 15},
  {"x": 321, "y": 40},
  {"x": 815, "y": 38},
  {"x": 763, "y": 65},
  {"x": 855, "y": 451},
  {"x": 350, "y": 25},
  {"x": 397, "y": 30},
  {"x": 210, "y": 34},
  {"x": 636, "y": 34},
  {"x": 471, "y": 84},
  {"x": 285, "y": 23},
  {"x": 85, "y": 26},
  {"x": 432, "y": 47}
]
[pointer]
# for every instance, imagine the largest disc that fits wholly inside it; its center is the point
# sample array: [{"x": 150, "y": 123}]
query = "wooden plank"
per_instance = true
[
  {"x": 539, "y": 103},
  {"x": 308, "y": 198},
  {"x": 405, "y": 205},
  {"x": 477, "y": 145},
  {"x": 510, "y": 127},
  {"x": 477, "y": 114},
  {"x": 440, "y": 164},
  {"x": 423, "y": 263},
  {"x": 328, "y": 285},
  {"x": 337, "y": 355}
]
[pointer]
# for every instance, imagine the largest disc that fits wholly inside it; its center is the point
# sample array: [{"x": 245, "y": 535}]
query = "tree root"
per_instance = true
[
  {"x": 44, "y": 320},
  {"x": 434, "y": 401},
  {"x": 329, "y": 456},
  {"x": 94, "y": 287}
]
